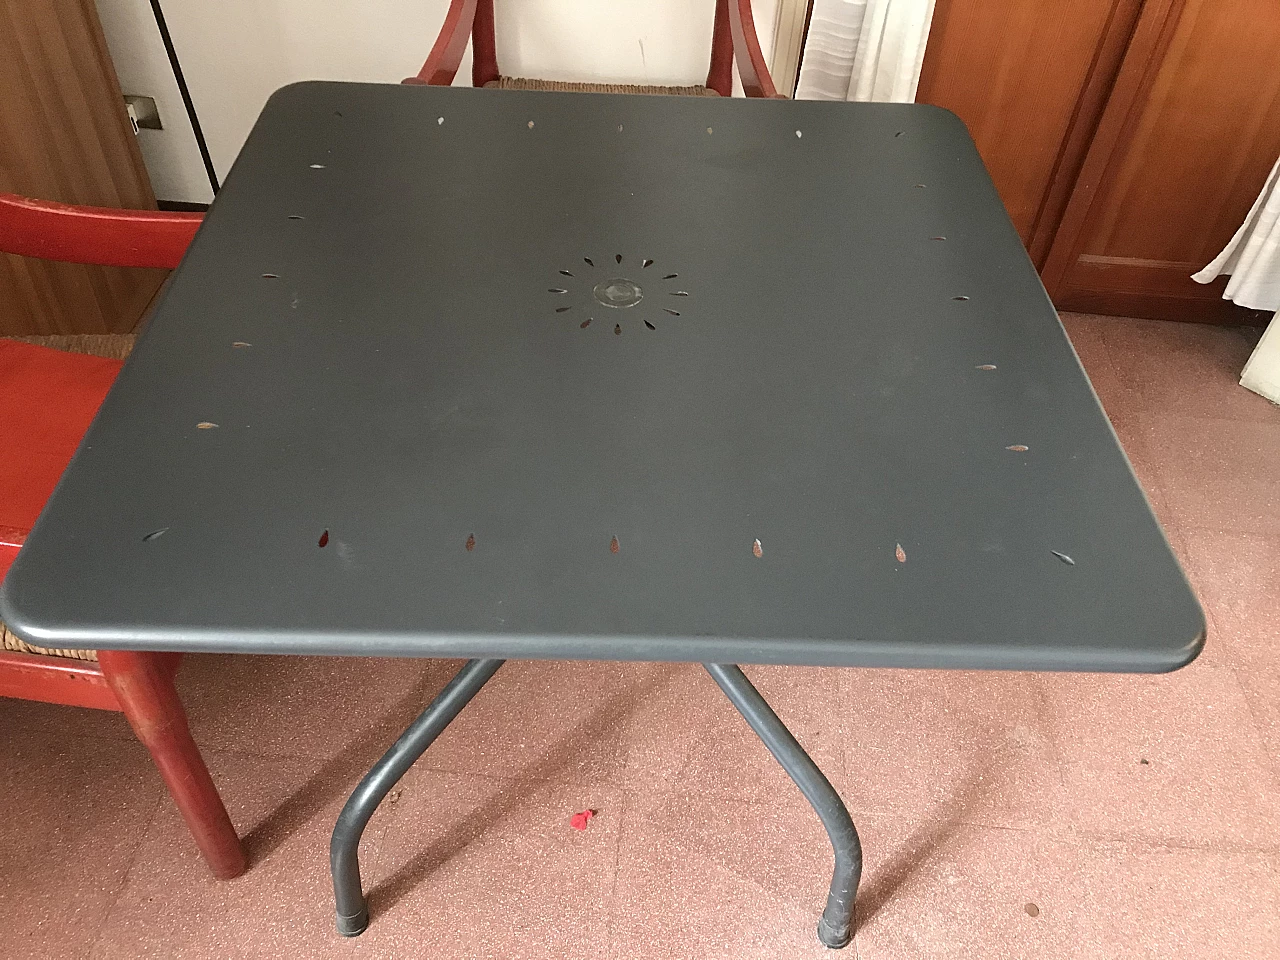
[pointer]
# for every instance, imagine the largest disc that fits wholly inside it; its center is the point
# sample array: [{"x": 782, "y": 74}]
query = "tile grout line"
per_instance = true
[
  {"x": 128, "y": 873},
  {"x": 1062, "y": 812},
  {"x": 1272, "y": 763},
  {"x": 1215, "y": 619},
  {"x": 1273, "y": 870},
  {"x": 1209, "y": 846},
  {"x": 628, "y": 799}
]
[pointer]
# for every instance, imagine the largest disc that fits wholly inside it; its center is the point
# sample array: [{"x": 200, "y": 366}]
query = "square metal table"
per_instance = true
[{"x": 498, "y": 374}]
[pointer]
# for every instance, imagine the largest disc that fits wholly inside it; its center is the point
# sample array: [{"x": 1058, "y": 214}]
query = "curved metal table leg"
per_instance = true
[
  {"x": 835, "y": 929},
  {"x": 344, "y": 858}
]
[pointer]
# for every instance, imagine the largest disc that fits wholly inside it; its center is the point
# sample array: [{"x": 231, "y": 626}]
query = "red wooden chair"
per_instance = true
[
  {"x": 47, "y": 398},
  {"x": 734, "y": 36}
]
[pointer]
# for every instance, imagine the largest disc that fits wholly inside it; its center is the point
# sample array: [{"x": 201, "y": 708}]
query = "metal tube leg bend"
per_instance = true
[
  {"x": 344, "y": 856},
  {"x": 835, "y": 929}
]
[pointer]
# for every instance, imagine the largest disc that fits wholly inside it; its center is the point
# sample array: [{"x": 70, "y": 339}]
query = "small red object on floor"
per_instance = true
[{"x": 579, "y": 820}]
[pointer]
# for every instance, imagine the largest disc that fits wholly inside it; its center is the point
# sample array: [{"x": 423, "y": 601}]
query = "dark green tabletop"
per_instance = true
[{"x": 457, "y": 372}]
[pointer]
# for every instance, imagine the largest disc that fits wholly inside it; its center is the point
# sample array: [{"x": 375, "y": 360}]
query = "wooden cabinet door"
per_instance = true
[
  {"x": 1189, "y": 134},
  {"x": 1030, "y": 79},
  {"x": 65, "y": 135}
]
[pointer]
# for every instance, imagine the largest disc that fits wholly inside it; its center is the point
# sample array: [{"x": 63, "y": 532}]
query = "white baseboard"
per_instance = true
[{"x": 1262, "y": 372}]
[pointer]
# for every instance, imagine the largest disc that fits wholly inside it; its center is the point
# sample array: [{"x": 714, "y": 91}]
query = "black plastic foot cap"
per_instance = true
[
  {"x": 353, "y": 926},
  {"x": 836, "y": 938}
]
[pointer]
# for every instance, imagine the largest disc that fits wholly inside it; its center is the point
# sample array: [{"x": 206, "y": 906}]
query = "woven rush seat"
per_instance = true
[
  {"x": 10, "y": 642},
  {"x": 523, "y": 83}
]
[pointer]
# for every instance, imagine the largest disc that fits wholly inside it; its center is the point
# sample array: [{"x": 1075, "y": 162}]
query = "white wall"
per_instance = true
[
  {"x": 171, "y": 155},
  {"x": 236, "y": 53}
]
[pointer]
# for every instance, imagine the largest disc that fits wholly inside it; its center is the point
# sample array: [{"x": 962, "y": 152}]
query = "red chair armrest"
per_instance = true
[{"x": 102, "y": 235}]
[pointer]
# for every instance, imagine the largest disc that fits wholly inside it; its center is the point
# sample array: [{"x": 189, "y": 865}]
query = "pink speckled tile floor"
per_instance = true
[{"x": 1003, "y": 815}]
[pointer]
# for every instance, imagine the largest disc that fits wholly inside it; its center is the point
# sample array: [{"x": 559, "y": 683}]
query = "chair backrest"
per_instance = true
[
  {"x": 734, "y": 37},
  {"x": 101, "y": 235}
]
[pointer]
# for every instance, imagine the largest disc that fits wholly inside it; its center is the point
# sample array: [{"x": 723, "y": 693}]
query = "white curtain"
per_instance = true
[
  {"x": 864, "y": 50},
  {"x": 1253, "y": 260},
  {"x": 1253, "y": 255}
]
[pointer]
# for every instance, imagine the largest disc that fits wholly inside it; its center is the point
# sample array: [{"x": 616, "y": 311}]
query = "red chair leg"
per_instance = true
[{"x": 143, "y": 682}]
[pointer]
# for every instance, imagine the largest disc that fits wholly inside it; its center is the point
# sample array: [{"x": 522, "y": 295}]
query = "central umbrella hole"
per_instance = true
[{"x": 618, "y": 292}]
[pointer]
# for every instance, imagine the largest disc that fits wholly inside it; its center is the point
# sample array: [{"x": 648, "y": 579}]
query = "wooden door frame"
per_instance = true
[
  {"x": 790, "y": 28},
  {"x": 69, "y": 140}
]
